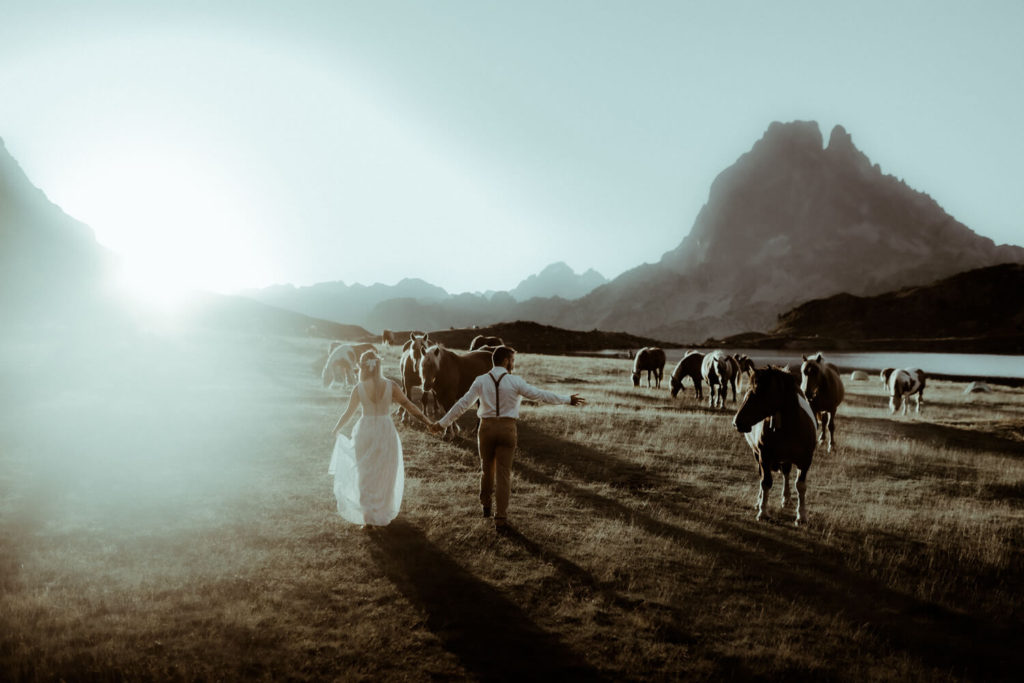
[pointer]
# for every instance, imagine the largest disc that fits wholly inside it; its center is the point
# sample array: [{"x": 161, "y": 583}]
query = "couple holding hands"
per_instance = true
[{"x": 368, "y": 469}]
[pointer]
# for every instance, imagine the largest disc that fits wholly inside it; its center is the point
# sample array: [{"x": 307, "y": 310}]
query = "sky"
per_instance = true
[{"x": 233, "y": 145}]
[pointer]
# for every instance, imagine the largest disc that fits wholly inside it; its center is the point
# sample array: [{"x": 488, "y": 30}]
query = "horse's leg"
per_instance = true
[
  {"x": 762, "y": 497},
  {"x": 801, "y": 498},
  {"x": 733, "y": 382},
  {"x": 786, "y": 497},
  {"x": 831, "y": 430},
  {"x": 920, "y": 397}
]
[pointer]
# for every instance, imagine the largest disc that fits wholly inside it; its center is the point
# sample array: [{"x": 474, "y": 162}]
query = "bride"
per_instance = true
[{"x": 369, "y": 475}]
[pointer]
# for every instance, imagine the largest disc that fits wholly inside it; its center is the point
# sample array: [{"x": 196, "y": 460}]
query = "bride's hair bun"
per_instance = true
[{"x": 369, "y": 364}]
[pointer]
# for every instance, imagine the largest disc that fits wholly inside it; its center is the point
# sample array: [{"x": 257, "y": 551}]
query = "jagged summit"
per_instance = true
[{"x": 558, "y": 279}]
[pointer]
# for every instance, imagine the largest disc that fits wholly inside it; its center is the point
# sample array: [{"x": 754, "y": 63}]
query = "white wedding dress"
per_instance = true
[{"x": 369, "y": 475}]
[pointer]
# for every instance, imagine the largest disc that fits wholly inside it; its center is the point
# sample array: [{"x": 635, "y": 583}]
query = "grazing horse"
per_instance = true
[
  {"x": 341, "y": 362},
  {"x": 448, "y": 374},
  {"x": 719, "y": 371},
  {"x": 480, "y": 341},
  {"x": 387, "y": 338},
  {"x": 823, "y": 387},
  {"x": 689, "y": 366},
  {"x": 776, "y": 419},
  {"x": 902, "y": 384},
  {"x": 651, "y": 359}
]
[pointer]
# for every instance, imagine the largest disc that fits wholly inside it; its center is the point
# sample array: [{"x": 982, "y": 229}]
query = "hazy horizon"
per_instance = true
[{"x": 472, "y": 145}]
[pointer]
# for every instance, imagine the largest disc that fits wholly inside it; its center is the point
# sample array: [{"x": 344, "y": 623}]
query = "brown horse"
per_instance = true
[
  {"x": 387, "y": 338},
  {"x": 479, "y": 341},
  {"x": 823, "y": 387},
  {"x": 652, "y": 360},
  {"x": 689, "y": 366},
  {"x": 448, "y": 374},
  {"x": 902, "y": 384},
  {"x": 719, "y": 371},
  {"x": 776, "y": 419}
]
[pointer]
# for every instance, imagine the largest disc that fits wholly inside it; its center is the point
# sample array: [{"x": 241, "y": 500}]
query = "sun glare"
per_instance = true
[
  {"x": 151, "y": 287},
  {"x": 176, "y": 223}
]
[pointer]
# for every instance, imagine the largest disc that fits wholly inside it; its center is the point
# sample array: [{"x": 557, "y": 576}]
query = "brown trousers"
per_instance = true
[{"x": 496, "y": 442}]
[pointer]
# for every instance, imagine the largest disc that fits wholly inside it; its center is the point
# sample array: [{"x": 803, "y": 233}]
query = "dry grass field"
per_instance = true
[{"x": 165, "y": 514}]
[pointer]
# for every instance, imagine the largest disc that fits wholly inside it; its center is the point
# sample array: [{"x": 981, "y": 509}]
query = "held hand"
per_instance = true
[
  {"x": 577, "y": 400},
  {"x": 435, "y": 428}
]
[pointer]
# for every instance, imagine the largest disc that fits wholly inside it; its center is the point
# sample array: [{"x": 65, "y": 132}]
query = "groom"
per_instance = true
[{"x": 499, "y": 392}]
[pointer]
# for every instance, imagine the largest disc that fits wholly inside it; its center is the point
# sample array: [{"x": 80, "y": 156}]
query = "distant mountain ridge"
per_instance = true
[
  {"x": 417, "y": 304},
  {"x": 558, "y": 280}
]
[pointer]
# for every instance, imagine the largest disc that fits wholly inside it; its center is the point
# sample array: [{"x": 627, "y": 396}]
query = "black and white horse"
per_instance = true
[
  {"x": 902, "y": 384},
  {"x": 777, "y": 421}
]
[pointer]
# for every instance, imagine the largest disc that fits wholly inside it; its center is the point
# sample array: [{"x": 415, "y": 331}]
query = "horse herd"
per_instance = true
[{"x": 779, "y": 415}]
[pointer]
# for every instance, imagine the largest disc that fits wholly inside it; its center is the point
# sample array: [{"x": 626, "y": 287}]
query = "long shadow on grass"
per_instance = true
[
  {"x": 492, "y": 637},
  {"x": 938, "y": 435},
  {"x": 805, "y": 571}
]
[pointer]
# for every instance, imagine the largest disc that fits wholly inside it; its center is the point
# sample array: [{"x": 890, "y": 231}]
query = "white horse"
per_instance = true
[
  {"x": 902, "y": 384},
  {"x": 719, "y": 370},
  {"x": 341, "y": 363}
]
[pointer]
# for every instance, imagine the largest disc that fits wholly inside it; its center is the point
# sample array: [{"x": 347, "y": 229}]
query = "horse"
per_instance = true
[
  {"x": 479, "y": 341},
  {"x": 903, "y": 384},
  {"x": 688, "y": 366},
  {"x": 409, "y": 369},
  {"x": 418, "y": 341},
  {"x": 387, "y": 338},
  {"x": 341, "y": 362},
  {"x": 448, "y": 374},
  {"x": 823, "y": 387},
  {"x": 744, "y": 367},
  {"x": 719, "y": 371},
  {"x": 651, "y": 359},
  {"x": 778, "y": 423}
]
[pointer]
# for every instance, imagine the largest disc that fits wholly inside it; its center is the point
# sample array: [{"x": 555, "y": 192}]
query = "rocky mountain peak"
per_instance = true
[{"x": 558, "y": 279}]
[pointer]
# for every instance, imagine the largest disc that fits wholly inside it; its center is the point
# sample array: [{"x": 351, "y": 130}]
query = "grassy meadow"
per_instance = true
[{"x": 166, "y": 514}]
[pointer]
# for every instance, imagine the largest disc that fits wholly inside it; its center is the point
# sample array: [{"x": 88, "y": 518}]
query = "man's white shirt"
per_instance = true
[{"x": 512, "y": 389}]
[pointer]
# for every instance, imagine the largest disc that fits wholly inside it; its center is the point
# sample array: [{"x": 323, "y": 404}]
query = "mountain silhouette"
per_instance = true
[
  {"x": 789, "y": 221},
  {"x": 50, "y": 263}
]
